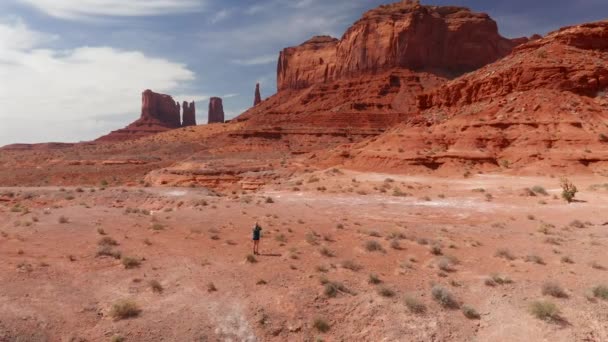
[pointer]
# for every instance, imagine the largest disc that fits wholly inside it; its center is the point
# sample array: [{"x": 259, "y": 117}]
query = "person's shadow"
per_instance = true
[{"x": 270, "y": 254}]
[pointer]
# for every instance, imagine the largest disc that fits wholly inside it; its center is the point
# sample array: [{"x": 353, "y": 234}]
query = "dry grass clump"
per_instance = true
[
  {"x": 351, "y": 265},
  {"x": 567, "y": 260},
  {"x": 505, "y": 254},
  {"x": 374, "y": 279},
  {"x": 552, "y": 288},
  {"x": 311, "y": 238},
  {"x": 545, "y": 310},
  {"x": 444, "y": 297},
  {"x": 63, "y": 220},
  {"x": 415, "y": 305},
  {"x": 156, "y": 286},
  {"x": 107, "y": 241},
  {"x": 124, "y": 309},
  {"x": 386, "y": 292},
  {"x": 600, "y": 291},
  {"x": 321, "y": 325},
  {"x": 447, "y": 264},
  {"x": 327, "y": 252},
  {"x": 108, "y": 251},
  {"x": 130, "y": 262},
  {"x": 537, "y": 189},
  {"x": 535, "y": 259},
  {"x": 211, "y": 287},
  {"x": 373, "y": 246},
  {"x": 333, "y": 288},
  {"x": 100, "y": 231},
  {"x": 470, "y": 312}
]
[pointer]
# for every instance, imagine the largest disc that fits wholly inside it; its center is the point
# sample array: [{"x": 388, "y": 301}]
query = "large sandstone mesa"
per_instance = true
[
  {"x": 216, "y": 110},
  {"x": 159, "y": 113},
  {"x": 445, "y": 40},
  {"x": 543, "y": 107}
]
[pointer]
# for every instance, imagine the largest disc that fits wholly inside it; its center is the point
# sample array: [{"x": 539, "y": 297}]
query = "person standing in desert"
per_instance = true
[{"x": 257, "y": 230}]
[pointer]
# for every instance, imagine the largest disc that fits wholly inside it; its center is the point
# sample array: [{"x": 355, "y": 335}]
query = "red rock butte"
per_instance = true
[
  {"x": 159, "y": 113},
  {"x": 216, "y": 110}
]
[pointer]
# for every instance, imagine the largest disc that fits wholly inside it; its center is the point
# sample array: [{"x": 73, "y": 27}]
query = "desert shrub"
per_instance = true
[
  {"x": 436, "y": 250},
  {"x": 107, "y": 241},
  {"x": 374, "y": 233},
  {"x": 603, "y": 137},
  {"x": 63, "y": 220},
  {"x": 327, "y": 252},
  {"x": 470, "y": 312},
  {"x": 321, "y": 325},
  {"x": 545, "y": 310},
  {"x": 535, "y": 259},
  {"x": 124, "y": 309},
  {"x": 600, "y": 291},
  {"x": 415, "y": 305},
  {"x": 117, "y": 338},
  {"x": 374, "y": 279},
  {"x": 446, "y": 264},
  {"x": 567, "y": 260},
  {"x": 386, "y": 292},
  {"x": 597, "y": 266},
  {"x": 269, "y": 200},
  {"x": 351, "y": 265},
  {"x": 395, "y": 244},
  {"x": 322, "y": 269},
  {"x": 373, "y": 246},
  {"x": 444, "y": 297},
  {"x": 552, "y": 288},
  {"x": 211, "y": 287},
  {"x": 156, "y": 286},
  {"x": 577, "y": 224},
  {"x": 505, "y": 254},
  {"x": 311, "y": 238},
  {"x": 501, "y": 279},
  {"x": 157, "y": 226},
  {"x": 281, "y": 238},
  {"x": 130, "y": 262},
  {"x": 100, "y": 231},
  {"x": 569, "y": 190},
  {"x": 333, "y": 288},
  {"x": 108, "y": 251},
  {"x": 251, "y": 259}
]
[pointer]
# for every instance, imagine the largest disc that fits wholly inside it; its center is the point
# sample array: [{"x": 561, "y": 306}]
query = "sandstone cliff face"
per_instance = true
[
  {"x": 216, "y": 110},
  {"x": 571, "y": 59},
  {"x": 543, "y": 106},
  {"x": 444, "y": 40},
  {"x": 160, "y": 107}
]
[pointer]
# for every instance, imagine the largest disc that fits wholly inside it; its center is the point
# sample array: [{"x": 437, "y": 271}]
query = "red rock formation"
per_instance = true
[
  {"x": 258, "y": 97},
  {"x": 216, "y": 110},
  {"x": 545, "y": 105},
  {"x": 444, "y": 40},
  {"x": 159, "y": 113},
  {"x": 189, "y": 114}
]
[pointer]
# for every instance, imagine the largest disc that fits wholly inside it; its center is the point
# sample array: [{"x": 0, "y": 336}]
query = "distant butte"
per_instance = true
[{"x": 159, "y": 113}]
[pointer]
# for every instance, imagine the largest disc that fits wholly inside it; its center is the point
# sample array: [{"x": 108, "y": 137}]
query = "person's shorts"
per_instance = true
[{"x": 256, "y": 239}]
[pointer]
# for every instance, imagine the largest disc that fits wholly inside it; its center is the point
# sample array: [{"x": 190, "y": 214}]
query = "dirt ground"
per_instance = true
[{"x": 324, "y": 234}]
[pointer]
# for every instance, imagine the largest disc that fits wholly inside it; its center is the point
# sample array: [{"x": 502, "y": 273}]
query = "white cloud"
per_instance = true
[
  {"x": 84, "y": 9},
  {"x": 220, "y": 16},
  {"x": 58, "y": 95},
  {"x": 268, "y": 59}
]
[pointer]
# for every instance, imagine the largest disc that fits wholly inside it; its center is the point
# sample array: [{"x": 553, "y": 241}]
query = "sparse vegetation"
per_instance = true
[
  {"x": 415, "y": 305},
  {"x": 327, "y": 252},
  {"x": 470, "y": 312},
  {"x": 535, "y": 259},
  {"x": 545, "y": 310},
  {"x": 505, "y": 254},
  {"x": 211, "y": 287},
  {"x": 569, "y": 190},
  {"x": 107, "y": 241},
  {"x": 156, "y": 286},
  {"x": 130, "y": 262},
  {"x": 124, "y": 309},
  {"x": 386, "y": 292},
  {"x": 537, "y": 189},
  {"x": 63, "y": 220},
  {"x": 374, "y": 279},
  {"x": 552, "y": 288},
  {"x": 251, "y": 259},
  {"x": 601, "y": 292},
  {"x": 321, "y": 325},
  {"x": 373, "y": 246},
  {"x": 108, "y": 251},
  {"x": 444, "y": 297},
  {"x": 351, "y": 265}
]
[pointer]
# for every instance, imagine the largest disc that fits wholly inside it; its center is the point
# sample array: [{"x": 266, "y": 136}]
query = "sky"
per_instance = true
[{"x": 73, "y": 70}]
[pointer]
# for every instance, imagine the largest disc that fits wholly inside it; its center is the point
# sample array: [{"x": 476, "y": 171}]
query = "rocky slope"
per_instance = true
[{"x": 545, "y": 105}]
